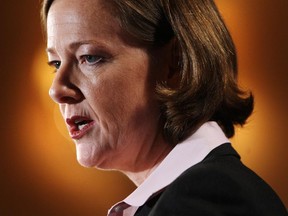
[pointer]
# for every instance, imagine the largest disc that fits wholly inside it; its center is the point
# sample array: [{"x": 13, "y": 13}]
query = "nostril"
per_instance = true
[{"x": 68, "y": 100}]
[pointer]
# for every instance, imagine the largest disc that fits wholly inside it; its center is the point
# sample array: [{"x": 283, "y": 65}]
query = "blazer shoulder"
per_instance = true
[{"x": 219, "y": 185}]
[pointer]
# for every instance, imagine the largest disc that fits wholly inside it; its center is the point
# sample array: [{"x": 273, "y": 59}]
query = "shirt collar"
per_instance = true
[{"x": 184, "y": 155}]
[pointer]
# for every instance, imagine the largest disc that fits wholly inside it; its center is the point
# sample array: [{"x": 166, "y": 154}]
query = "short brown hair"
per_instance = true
[{"x": 207, "y": 62}]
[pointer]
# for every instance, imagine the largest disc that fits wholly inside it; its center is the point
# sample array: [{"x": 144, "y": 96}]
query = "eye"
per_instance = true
[
  {"x": 91, "y": 59},
  {"x": 55, "y": 64}
]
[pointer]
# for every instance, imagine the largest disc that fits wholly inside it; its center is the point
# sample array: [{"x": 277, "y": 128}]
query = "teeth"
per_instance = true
[
  {"x": 80, "y": 127},
  {"x": 78, "y": 121}
]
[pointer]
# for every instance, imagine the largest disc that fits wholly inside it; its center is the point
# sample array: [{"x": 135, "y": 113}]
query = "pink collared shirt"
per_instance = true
[{"x": 184, "y": 155}]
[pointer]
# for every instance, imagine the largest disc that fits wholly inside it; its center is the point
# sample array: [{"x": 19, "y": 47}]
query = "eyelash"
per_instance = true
[
  {"x": 83, "y": 59},
  {"x": 55, "y": 64}
]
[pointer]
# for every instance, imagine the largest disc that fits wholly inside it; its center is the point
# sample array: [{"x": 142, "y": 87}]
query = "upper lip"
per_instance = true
[
  {"x": 74, "y": 121},
  {"x": 74, "y": 126}
]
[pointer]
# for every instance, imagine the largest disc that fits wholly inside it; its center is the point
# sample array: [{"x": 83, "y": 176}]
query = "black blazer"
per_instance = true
[{"x": 220, "y": 185}]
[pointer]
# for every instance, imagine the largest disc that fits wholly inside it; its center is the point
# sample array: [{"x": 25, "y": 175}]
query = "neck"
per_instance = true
[{"x": 148, "y": 162}]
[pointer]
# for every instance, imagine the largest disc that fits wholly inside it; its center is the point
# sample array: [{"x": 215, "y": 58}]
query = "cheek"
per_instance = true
[
  {"x": 122, "y": 99},
  {"x": 113, "y": 95},
  {"x": 124, "y": 106}
]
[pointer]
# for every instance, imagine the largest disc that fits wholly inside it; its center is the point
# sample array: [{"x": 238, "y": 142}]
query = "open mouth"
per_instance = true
[{"x": 79, "y": 126}]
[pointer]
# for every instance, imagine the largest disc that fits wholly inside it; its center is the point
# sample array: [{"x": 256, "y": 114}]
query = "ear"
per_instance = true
[{"x": 173, "y": 76}]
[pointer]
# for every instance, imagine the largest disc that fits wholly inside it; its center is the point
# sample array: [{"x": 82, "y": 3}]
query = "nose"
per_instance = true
[{"x": 64, "y": 91}]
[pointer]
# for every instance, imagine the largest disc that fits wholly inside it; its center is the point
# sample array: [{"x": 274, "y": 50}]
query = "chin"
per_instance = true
[
  {"x": 85, "y": 163},
  {"x": 85, "y": 157}
]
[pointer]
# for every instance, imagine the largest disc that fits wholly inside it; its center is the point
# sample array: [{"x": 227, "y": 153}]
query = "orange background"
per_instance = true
[{"x": 39, "y": 174}]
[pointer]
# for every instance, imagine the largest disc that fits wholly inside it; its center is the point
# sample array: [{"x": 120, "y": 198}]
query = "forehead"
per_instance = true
[
  {"x": 69, "y": 19},
  {"x": 76, "y": 11},
  {"x": 85, "y": 6}
]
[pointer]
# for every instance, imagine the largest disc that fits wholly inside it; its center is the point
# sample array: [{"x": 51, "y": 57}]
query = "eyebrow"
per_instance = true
[{"x": 77, "y": 44}]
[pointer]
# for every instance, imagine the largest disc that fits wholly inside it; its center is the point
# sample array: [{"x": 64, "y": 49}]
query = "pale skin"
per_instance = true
[{"x": 103, "y": 78}]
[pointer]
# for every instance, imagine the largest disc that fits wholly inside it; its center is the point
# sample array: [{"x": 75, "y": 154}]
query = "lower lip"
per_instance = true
[{"x": 78, "y": 134}]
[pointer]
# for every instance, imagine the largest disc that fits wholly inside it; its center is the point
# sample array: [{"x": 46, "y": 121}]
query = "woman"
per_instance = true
[{"x": 149, "y": 88}]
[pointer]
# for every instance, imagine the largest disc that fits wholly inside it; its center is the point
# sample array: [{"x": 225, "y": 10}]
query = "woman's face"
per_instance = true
[{"x": 104, "y": 84}]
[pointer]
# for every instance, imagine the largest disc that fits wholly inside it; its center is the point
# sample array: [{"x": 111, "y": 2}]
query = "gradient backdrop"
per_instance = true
[{"x": 39, "y": 174}]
